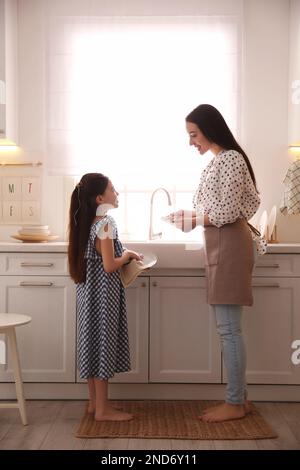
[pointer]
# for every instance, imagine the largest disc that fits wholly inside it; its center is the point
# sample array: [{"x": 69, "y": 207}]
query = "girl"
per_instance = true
[
  {"x": 226, "y": 198},
  {"x": 95, "y": 255}
]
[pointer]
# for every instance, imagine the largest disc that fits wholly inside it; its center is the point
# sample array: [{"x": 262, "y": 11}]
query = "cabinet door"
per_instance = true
[
  {"x": 184, "y": 345},
  {"x": 137, "y": 302},
  {"x": 47, "y": 344},
  {"x": 270, "y": 327}
]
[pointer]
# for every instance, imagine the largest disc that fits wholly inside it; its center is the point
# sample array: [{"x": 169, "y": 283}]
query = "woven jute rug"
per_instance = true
[{"x": 174, "y": 420}]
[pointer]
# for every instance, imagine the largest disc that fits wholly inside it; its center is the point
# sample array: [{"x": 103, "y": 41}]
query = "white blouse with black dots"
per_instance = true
[{"x": 226, "y": 191}]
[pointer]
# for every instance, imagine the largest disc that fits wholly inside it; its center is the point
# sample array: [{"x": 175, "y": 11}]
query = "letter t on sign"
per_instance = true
[{"x": 31, "y": 188}]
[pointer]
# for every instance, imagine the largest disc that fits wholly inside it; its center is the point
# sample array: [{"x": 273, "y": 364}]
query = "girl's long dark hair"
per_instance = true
[
  {"x": 212, "y": 124},
  {"x": 82, "y": 213}
]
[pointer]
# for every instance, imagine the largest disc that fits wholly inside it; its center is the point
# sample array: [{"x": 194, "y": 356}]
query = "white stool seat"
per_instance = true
[{"x": 8, "y": 322}]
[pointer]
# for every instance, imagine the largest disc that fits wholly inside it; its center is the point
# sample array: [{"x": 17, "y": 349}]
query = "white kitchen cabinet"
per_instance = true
[
  {"x": 47, "y": 344},
  {"x": 181, "y": 341},
  {"x": 277, "y": 265},
  {"x": 137, "y": 302},
  {"x": 273, "y": 322},
  {"x": 184, "y": 347},
  {"x": 270, "y": 327},
  {"x": 172, "y": 331}
]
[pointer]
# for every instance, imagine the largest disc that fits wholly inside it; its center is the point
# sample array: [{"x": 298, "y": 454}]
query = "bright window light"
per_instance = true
[{"x": 127, "y": 87}]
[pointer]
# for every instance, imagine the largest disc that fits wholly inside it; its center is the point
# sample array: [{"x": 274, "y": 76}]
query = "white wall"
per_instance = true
[
  {"x": 265, "y": 103},
  {"x": 264, "y": 89}
]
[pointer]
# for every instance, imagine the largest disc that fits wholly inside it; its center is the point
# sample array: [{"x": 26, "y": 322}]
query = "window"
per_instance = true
[{"x": 118, "y": 93}]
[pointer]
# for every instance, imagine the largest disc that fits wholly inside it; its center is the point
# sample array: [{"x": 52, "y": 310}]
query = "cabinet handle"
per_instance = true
[
  {"x": 275, "y": 265},
  {"x": 154, "y": 284},
  {"x": 36, "y": 284},
  {"x": 143, "y": 284},
  {"x": 36, "y": 265},
  {"x": 266, "y": 285}
]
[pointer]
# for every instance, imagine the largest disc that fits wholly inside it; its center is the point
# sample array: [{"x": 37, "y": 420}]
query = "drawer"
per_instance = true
[
  {"x": 34, "y": 264},
  {"x": 275, "y": 265}
]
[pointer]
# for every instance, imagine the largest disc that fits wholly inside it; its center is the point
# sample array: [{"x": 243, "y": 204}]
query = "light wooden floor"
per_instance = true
[{"x": 52, "y": 425}]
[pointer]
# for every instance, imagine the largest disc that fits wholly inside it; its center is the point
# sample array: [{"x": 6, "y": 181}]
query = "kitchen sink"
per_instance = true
[{"x": 171, "y": 254}]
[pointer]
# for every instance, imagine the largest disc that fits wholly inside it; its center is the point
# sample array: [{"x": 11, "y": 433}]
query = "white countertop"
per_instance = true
[
  {"x": 48, "y": 247},
  {"x": 156, "y": 245}
]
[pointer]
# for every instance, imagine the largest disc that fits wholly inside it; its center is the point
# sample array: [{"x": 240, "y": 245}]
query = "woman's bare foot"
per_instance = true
[
  {"x": 224, "y": 412},
  {"x": 111, "y": 414},
  {"x": 248, "y": 407}
]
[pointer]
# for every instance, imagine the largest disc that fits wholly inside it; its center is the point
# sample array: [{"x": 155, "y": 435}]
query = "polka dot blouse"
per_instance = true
[{"x": 226, "y": 191}]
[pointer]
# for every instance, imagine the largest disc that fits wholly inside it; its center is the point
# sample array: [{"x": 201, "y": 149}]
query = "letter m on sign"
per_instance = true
[{"x": 11, "y": 188}]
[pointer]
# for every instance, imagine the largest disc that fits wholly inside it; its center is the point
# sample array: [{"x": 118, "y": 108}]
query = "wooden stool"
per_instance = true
[{"x": 8, "y": 322}]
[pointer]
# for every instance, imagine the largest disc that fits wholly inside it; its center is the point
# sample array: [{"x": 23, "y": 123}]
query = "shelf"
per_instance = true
[{"x": 21, "y": 164}]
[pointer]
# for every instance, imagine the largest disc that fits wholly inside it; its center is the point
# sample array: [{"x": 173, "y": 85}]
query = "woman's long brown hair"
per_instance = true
[
  {"x": 212, "y": 124},
  {"x": 82, "y": 213}
]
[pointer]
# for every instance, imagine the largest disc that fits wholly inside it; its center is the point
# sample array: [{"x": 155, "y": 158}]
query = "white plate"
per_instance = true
[
  {"x": 149, "y": 260},
  {"x": 35, "y": 238},
  {"x": 263, "y": 224},
  {"x": 271, "y": 221},
  {"x": 130, "y": 271},
  {"x": 167, "y": 218}
]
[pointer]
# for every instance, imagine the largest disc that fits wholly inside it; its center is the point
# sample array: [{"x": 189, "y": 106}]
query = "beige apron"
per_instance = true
[{"x": 229, "y": 263}]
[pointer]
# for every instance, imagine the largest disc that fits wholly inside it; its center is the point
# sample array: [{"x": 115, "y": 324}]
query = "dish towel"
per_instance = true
[{"x": 291, "y": 197}]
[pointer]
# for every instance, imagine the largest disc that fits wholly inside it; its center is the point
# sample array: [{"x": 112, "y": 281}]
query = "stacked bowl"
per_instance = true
[
  {"x": 34, "y": 233},
  {"x": 39, "y": 230}
]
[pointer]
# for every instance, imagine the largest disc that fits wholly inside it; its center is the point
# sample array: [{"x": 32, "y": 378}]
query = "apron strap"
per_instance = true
[{"x": 254, "y": 230}]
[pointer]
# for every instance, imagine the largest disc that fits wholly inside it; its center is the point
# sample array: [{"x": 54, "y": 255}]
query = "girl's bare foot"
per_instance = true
[
  {"x": 248, "y": 407},
  {"x": 224, "y": 412},
  {"x": 116, "y": 407},
  {"x": 111, "y": 414},
  {"x": 92, "y": 407}
]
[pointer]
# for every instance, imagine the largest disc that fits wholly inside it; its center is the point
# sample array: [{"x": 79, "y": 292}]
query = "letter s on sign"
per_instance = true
[{"x": 295, "y": 358}]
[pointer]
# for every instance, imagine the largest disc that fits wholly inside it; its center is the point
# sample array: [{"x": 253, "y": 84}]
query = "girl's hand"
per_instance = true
[{"x": 133, "y": 255}]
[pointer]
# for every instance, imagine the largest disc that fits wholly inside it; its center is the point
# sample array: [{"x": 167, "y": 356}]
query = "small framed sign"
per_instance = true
[{"x": 20, "y": 199}]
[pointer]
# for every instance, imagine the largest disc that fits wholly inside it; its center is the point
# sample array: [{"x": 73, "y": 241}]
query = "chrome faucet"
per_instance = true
[{"x": 153, "y": 236}]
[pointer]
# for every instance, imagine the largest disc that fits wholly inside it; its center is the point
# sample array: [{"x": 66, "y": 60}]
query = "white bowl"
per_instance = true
[
  {"x": 36, "y": 231},
  {"x": 34, "y": 227}
]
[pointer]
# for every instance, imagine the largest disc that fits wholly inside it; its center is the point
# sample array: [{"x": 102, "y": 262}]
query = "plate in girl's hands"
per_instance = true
[
  {"x": 263, "y": 224},
  {"x": 168, "y": 219},
  {"x": 271, "y": 221},
  {"x": 148, "y": 260}
]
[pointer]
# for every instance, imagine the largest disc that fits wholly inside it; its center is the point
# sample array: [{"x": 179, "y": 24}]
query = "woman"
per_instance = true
[{"x": 226, "y": 198}]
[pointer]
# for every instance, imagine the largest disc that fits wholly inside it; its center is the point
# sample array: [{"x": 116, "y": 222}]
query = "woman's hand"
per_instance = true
[{"x": 182, "y": 219}]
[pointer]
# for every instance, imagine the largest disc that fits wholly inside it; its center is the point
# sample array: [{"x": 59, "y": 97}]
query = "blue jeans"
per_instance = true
[{"x": 228, "y": 320}]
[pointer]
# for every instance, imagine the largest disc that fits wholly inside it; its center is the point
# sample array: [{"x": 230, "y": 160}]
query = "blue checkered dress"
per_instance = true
[{"x": 102, "y": 335}]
